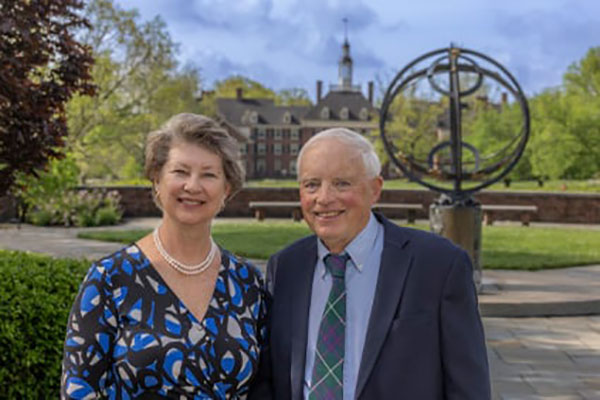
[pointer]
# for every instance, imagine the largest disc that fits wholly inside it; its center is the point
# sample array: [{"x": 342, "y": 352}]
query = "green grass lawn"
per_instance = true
[{"x": 504, "y": 247}]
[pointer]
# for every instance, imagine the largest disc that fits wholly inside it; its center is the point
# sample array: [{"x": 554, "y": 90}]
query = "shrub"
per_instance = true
[
  {"x": 36, "y": 294},
  {"x": 51, "y": 198}
]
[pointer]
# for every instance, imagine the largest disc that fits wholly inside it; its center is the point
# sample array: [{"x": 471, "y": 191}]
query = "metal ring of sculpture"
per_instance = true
[{"x": 478, "y": 170}]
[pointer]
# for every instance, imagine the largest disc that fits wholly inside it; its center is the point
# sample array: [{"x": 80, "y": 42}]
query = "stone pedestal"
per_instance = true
[{"x": 461, "y": 223}]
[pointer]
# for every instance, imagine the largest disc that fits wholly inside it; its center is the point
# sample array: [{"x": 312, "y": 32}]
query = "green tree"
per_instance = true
[{"x": 139, "y": 87}]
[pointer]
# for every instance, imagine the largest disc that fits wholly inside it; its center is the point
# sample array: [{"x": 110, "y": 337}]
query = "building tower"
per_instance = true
[{"x": 345, "y": 63}]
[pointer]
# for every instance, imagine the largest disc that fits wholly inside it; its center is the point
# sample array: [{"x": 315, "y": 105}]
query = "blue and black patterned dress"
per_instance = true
[{"x": 129, "y": 336}]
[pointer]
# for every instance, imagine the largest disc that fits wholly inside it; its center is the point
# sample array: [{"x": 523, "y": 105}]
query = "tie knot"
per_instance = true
[{"x": 336, "y": 264}]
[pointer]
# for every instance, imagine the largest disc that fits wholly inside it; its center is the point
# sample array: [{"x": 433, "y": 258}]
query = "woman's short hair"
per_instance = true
[
  {"x": 199, "y": 130},
  {"x": 354, "y": 140}
]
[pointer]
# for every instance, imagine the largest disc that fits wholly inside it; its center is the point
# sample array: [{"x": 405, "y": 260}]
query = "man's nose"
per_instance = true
[{"x": 326, "y": 193}]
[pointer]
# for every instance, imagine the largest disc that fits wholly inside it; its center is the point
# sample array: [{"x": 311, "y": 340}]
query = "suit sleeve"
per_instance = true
[
  {"x": 464, "y": 356},
  {"x": 261, "y": 387}
]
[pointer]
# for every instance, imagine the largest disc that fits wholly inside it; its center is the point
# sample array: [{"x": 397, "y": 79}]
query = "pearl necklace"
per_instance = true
[{"x": 181, "y": 267}]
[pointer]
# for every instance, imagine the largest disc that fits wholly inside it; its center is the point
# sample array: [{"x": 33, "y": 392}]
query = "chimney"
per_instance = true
[
  {"x": 319, "y": 90},
  {"x": 371, "y": 92},
  {"x": 239, "y": 93}
]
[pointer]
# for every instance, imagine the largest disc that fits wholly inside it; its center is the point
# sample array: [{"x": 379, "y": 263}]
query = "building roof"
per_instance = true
[
  {"x": 239, "y": 112},
  {"x": 335, "y": 101}
]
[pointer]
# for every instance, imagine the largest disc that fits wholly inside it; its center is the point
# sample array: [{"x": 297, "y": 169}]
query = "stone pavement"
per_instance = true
[{"x": 542, "y": 328}]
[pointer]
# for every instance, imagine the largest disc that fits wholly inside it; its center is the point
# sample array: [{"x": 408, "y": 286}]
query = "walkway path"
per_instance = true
[{"x": 530, "y": 358}]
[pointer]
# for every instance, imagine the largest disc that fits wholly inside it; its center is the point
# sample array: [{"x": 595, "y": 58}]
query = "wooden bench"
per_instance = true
[
  {"x": 411, "y": 209},
  {"x": 491, "y": 210},
  {"x": 260, "y": 208}
]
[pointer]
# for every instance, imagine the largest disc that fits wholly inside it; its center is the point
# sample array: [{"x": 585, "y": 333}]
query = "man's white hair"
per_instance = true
[{"x": 352, "y": 139}]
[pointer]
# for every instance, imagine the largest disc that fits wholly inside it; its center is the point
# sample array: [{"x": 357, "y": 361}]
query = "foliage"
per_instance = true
[
  {"x": 42, "y": 66},
  {"x": 139, "y": 87},
  {"x": 36, "y": 293},
  {"x": 52, "y": 199},
  {"x": 227, "y": 88},
  {"x": 566, "y": 124},
  {"x": 507, "y": 247}
]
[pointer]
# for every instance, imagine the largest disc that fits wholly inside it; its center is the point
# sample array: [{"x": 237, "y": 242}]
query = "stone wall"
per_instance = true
[{"x": 552, "y": 206}]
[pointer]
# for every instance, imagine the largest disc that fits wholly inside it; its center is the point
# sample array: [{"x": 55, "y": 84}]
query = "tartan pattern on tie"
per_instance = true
[{"x": 328, "y": 370}]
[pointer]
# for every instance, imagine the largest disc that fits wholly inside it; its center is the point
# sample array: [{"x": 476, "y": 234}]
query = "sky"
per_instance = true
[{"x": 293, "y": 43}]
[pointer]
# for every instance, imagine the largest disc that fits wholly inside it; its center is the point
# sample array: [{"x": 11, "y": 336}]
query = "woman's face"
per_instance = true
[{"x": 191, "y": 186}]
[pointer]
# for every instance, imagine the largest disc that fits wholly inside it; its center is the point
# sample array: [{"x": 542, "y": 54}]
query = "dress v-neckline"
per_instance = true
[{"x": 182, "y": 304}]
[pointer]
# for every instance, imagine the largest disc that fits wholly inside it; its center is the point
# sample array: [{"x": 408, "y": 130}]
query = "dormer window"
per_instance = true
[
  {"x": 287, "y": 118},
  {"x": 344, "y": 114},
  {"x": 363, "y": 114},
  {"x": 325, "y": 113},
  {"x": 253, "y": 117}
]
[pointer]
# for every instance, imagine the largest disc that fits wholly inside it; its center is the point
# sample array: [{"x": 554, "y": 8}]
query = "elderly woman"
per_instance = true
[{"x": 173, "y": 315}]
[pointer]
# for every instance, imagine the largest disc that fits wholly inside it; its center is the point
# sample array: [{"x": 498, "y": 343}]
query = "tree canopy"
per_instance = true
[{"x": 41, "y": 66}]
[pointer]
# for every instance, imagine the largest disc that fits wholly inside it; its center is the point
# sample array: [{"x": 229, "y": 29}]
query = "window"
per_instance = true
[
  {"x": 364, "y": 114},
  {"x": 277, "y": 165},
  {"x": 261, "y": 166},
  {"x": 253, "y": 117},
  {"x": 293, "y": 167},
  {"x": 294, "y": 149},
  {"x": 243, "y": 149},
  {"x": 344, "y": 114},
  {"x": 287, "y": 117},
  {"x": 277, "y": 134},
  {"x": 261, "y": 133},
  {"x": 261, "y": 148},
  {"x": 295, "y": 134},
  {"x": 325, "y": 113},
  {"x": 277, "y": 149},
  {"x": 269, "y": 132}
]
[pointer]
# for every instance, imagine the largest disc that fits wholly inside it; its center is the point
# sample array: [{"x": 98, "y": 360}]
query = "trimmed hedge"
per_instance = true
[{"x": 36, "y": 294}]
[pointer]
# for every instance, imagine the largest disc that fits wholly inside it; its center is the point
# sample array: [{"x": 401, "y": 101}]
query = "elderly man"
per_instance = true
[{"x": 365, "y": 309}]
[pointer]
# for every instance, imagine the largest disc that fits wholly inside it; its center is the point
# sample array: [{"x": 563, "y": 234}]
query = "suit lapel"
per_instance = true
[
  {"x": 302, "y": 278},
  {"x": 395, "y": 263}
]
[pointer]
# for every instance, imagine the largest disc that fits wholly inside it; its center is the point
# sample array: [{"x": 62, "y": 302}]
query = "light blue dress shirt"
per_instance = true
[{"x": 361, "y": 278}]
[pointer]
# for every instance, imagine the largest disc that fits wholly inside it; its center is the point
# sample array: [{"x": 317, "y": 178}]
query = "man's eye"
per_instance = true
[
  {"x": 342, "y": 184},
  {"x": 179, "y": 171},
  {"x": 311, "y": 185}
]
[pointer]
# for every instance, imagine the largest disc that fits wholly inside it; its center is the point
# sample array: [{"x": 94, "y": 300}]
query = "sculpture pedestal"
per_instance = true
[{"x": 461, "y": 223}]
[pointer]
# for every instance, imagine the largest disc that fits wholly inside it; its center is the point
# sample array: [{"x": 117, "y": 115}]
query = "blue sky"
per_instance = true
[{"x": 293, "y": 43}]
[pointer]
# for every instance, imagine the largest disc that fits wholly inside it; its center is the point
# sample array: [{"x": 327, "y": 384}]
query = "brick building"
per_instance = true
[{"x": 274, "y": 134}]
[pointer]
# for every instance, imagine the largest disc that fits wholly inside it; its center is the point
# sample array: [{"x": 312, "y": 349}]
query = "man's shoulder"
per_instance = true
[{"x": 416, "y": 239}]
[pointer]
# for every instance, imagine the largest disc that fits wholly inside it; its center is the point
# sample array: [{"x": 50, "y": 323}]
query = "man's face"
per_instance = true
[{"x": 335, "y": 193}]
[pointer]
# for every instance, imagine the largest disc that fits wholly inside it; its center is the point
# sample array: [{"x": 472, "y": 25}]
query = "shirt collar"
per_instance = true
[{"x": 359, "y": 248}]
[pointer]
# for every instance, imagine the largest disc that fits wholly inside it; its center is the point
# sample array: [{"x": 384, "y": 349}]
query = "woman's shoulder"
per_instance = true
[
  {"x": 123, "y": 260},
  {"x": 243, "y": 267}
]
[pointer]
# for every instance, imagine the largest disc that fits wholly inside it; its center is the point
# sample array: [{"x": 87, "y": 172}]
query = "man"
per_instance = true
[{"x": 366, "y": 309}]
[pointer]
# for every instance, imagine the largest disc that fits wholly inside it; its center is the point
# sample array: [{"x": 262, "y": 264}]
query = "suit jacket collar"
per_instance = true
[
  {"x": 304, "y": 267},
  {"x": 396, "y": 260}
]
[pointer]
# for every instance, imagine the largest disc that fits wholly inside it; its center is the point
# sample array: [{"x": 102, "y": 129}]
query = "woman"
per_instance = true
[{"x": 173, "y": 315}]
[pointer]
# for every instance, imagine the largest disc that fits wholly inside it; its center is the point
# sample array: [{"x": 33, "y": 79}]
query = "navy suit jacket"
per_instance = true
[{"x": 425, "y": 338}]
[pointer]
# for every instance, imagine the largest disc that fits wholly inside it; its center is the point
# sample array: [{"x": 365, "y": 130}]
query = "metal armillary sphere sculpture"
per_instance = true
[
  {"x": 456, "y": 89},
  {"x": 455, "y": 121}
]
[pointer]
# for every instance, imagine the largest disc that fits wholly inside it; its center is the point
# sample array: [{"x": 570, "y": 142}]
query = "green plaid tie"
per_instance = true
[{"x": 328, "y": 369}]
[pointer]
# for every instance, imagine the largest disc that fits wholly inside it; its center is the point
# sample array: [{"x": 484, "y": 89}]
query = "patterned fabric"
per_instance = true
[
  {"x": 129, "y": 336},
  {"x": 328, "y": 372}
]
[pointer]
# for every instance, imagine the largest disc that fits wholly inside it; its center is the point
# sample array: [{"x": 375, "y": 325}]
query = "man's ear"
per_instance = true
[{"x": 376, "y": 188}]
